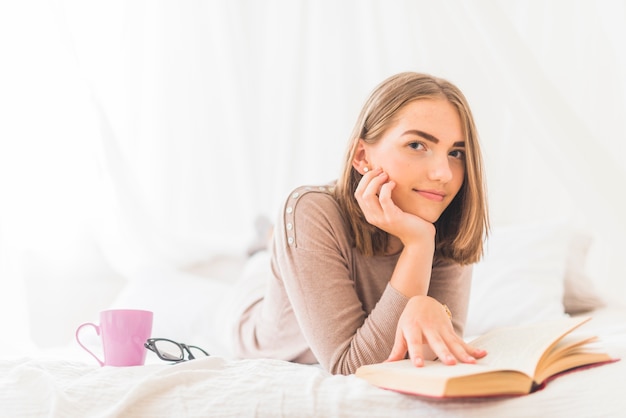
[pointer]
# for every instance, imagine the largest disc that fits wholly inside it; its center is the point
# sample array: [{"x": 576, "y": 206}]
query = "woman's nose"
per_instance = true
[{"x": 439, "y": 169}]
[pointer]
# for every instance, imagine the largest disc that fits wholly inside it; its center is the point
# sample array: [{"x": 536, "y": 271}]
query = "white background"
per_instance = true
[{"x": 140, "y": 133}]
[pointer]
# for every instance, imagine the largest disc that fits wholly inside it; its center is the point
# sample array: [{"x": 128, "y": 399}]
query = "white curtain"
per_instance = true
[{"x": 140, "y": 133}]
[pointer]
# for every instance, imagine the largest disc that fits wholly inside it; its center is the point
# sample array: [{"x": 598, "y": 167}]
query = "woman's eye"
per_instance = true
[
  {"x": 416, "y": 145},
  {"x": 457, "y": 153}
]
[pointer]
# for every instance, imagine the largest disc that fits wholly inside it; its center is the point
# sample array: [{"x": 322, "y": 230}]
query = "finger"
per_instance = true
[
  {"x": 386, "y": 202},
  {"x": 399, "y": 349},
  {"x": 375, "y": 183},
  {"x": 463, "y": 351},
  {"x": 368, "y": 199},
  {"x": 475, "y": 352},
  {"x": 440, "y": 348},
  {"x": 360, "y": 188},
  {"x": 416, "y": 351},
  {"x": 384, "y": 194},
  {"x": 365, "y": 188}
]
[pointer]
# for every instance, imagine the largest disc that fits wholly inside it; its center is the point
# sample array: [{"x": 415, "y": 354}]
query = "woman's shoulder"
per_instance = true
[
  {"x": 312, "y": 213},
  {"x": 310, "y": 198}
]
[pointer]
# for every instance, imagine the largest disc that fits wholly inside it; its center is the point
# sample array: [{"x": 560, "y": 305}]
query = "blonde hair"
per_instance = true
[{"x": 463, "y": 226}]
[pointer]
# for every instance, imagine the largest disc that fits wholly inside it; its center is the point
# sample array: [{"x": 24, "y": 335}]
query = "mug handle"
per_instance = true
[{"x": 97, "y": 328}]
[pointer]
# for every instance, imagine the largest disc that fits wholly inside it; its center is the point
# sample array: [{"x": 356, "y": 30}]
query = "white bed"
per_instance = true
[
  {"x": 68, "y": 383},
  {"x": 216, "y": 386}
]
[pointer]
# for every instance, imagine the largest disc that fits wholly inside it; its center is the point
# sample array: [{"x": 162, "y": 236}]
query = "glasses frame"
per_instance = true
[{"x": 150, "y": 344}]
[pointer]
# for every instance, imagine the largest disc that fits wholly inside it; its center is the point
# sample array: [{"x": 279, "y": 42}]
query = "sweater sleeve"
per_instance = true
[{"x": 313, "y": 257}]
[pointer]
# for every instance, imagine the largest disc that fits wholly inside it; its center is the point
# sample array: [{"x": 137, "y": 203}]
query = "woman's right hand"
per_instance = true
[
  {"x": 373, "y": 195},
  {"x": 425, "y": 331}
]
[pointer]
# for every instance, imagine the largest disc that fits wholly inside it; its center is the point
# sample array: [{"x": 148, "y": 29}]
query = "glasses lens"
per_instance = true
[{"x": 168, "y": 350}]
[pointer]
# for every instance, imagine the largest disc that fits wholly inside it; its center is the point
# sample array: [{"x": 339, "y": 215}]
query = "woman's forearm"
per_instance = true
[{"x": 411, "y": 276}]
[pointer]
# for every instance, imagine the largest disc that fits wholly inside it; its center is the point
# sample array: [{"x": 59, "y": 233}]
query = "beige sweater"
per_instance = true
[{"x": 327, "y": 303}]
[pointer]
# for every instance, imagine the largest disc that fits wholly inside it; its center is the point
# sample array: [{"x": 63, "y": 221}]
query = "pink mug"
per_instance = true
[{"x": 123, "y": 333}]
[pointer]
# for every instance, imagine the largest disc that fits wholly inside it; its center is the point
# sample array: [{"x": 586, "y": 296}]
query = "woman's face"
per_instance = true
[{"x": 423, "y": 152}]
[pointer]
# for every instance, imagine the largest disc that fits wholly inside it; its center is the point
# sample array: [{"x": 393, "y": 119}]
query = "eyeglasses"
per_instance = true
[{"x": 169, "y": 350}]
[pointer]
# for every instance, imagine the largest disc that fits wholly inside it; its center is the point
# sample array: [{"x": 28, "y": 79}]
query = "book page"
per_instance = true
[{"x": 520, "y": 348}]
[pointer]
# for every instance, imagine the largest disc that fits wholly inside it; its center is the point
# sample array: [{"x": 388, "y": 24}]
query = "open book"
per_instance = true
[{"x": 519, "y": 360}]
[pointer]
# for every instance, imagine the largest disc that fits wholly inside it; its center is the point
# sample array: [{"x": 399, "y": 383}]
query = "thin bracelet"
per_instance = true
[{"x": 445, "y": 307}]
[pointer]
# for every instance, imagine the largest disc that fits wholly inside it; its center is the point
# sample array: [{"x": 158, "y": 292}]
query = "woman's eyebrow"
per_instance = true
[{"x": 430, "y": 137}]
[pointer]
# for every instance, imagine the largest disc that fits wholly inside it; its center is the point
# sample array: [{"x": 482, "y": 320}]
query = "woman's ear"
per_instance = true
[{"x": 359, "y": 162}]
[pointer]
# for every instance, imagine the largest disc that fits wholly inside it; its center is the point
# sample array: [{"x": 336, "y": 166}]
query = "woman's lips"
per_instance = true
[{"x": 433, "y": 195}]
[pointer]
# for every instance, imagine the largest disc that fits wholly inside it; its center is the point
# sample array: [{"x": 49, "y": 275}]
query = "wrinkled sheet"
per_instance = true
[{"x": 222, "y": 387}]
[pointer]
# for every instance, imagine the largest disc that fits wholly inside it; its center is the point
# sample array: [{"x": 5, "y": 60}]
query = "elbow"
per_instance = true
[{"x": 345, "y": 364}]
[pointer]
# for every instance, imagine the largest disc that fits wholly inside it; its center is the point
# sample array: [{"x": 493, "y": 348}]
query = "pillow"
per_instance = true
[
  {"x": 521, "y": 277},
  {"x": 579, "y": 294},
  {"x": 185, "y": 304}
]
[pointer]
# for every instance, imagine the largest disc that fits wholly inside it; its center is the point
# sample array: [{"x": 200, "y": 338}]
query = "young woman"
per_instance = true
[{"x": 377, "y": 265}]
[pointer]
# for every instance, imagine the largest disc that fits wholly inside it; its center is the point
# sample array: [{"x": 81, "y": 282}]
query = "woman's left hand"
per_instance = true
[
  {"x": 373, "y": 195},
  {"x": 424, "y": 323}
]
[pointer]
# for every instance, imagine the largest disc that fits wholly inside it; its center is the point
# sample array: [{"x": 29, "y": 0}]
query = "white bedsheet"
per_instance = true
[{"x": 221, "y": 387}]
